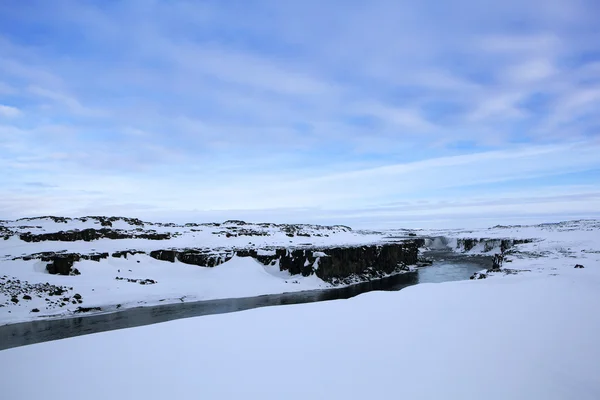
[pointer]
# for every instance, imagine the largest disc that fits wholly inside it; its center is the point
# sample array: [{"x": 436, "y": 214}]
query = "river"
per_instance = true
[{"x": 447, "y": 267}]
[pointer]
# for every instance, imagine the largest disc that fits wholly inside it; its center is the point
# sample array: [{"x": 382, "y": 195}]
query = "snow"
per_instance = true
[
  {"x": 177, "y": 282},
  {"x": 531, "y": 333},
  {"x": 238, "y": 277},
  {"x": 526, "y": 336},
  {"x": 184, "y": 237}
]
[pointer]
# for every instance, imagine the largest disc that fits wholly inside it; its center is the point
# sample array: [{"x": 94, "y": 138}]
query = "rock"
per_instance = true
[
  {"x": 77, "y": 296},
  {"x": 90, "y": 235},
  {"x": 87, "y": 309},
  {"x": 497, "y": 262},
  {"x": 190, "y": 256},
  {"x": 62, "y": 264},
  {"x": 35, "y": 310},
  {"x": 579, "y": 266},
  {"x": 75, "y": 272},
  {"x": 478, "y": 275},
  {"x": 14, "y": 300},
  {"x": 27, "y": 297}
]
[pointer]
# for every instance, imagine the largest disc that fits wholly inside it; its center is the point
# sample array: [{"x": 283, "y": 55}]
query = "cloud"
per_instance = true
[
  {"x": 191, "y": 105},
  {"x": 9, "y": 111},
  {"x": 73, "y": 105}
]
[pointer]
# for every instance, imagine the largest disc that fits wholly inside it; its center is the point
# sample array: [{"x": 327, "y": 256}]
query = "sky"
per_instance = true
[{"x": 375, "y": 113}]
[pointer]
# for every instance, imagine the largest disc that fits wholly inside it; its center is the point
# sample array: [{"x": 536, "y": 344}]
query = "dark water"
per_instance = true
[{"x": 14, "y": 335}]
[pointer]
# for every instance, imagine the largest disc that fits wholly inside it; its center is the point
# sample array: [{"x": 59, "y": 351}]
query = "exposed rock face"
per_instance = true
[
  {"x": 87, "y": 309},
  {"x": 330, "y": 264},
  {"x": 356, "y": 260},
  {"x": 468, "y": 244},
  {"x": 497, "y": 263},
  {"x": 337, "y": 263},
  {"x": 125, "y": 253},
  {"x": 62, "y": 264},
  {"x": 90, "y": 234},
  {"x": 192, "y": 256}
]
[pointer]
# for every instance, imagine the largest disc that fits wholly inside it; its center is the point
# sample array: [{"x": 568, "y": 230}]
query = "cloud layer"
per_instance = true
[{"x": 380, "y": 113}]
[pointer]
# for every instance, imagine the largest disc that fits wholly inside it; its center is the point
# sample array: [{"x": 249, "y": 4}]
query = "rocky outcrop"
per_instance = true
[
  {"x": 478, "y": 275},
  {"x": 336, "y": 264},
  {"x": 12, "y": 289},
  {"x": 63, "y": 220},
  {"x": 198, "y": 257},
  {"x": 331, "y": 264},
  {"x": 126, "y": 253},
  {"x": 91, "y": 234},
  {"x": 62, "y": 264},
  {"x": 467, "y": 244}
]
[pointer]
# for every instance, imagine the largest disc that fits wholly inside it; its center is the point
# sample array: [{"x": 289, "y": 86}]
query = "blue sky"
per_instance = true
[{"x": 378, "y": 113}]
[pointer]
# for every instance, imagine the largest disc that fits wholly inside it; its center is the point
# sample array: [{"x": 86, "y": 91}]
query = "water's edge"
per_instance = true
[{"x": 25, "y": 333}]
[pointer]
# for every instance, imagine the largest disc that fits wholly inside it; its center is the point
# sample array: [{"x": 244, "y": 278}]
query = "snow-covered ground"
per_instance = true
[
  {"x": 530, "y": 332},
  {"x": 526, "y": 336},
  {"x": 114, "y": 283},
  {"x": 175, "y": 282}
]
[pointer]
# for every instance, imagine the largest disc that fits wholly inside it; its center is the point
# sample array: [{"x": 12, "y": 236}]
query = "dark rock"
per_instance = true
[
  {"x": 125, "y": 253},
  {"x": 77, "y": 296},
  {"x": 14, "y": 300},
  {"x": 35, "y": 310},
  {"x": 62, "y": 263},
  {"x": 163, "y": 255},
  {"x": 478, "y": 275},
  {"x": 497, "y": 261},
  {"x": 27, "y": 297},
  {"x": 234, "y": 222},
  {"x": 87, "y": 309},
  {"x": 579, "y": 266},
  {"x": 339, "y": 262},
  {"x": 90, "y": 235},
  {"x": 96, "y": 256},
  {"x": 202, "y": 258},
  {"x": 343, "y": 262}
]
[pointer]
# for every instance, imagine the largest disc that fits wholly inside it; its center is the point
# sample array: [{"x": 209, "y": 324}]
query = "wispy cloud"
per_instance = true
[
  {"x": 296, "y": 105},
  {"x": 9, "y": 111}
]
